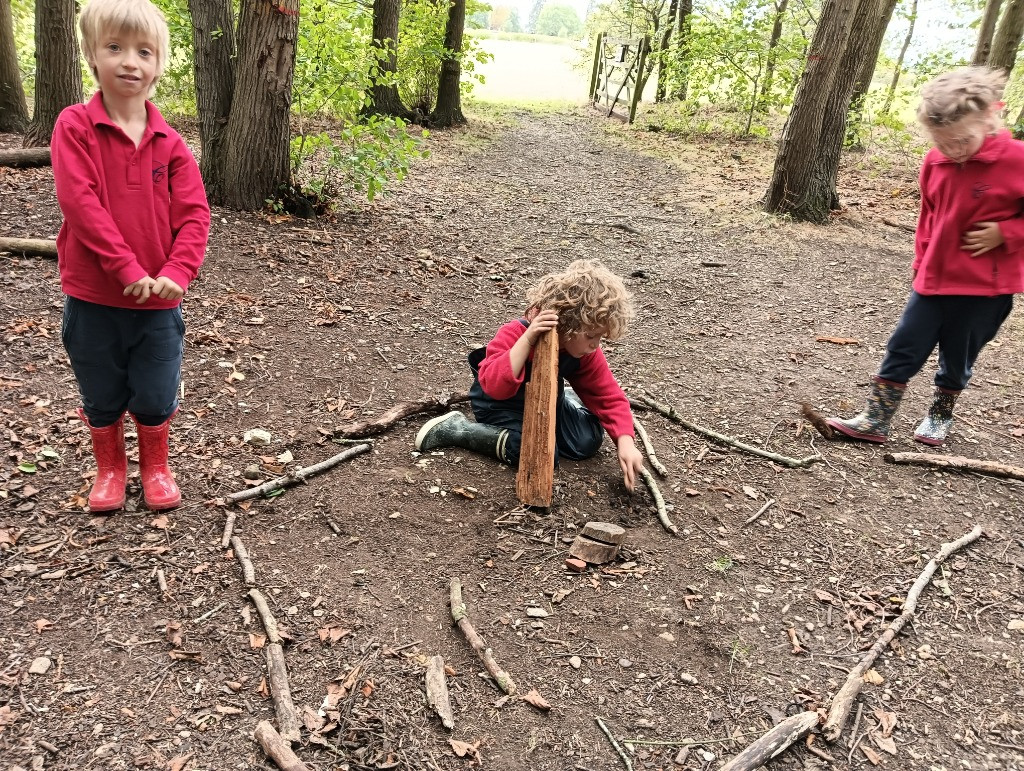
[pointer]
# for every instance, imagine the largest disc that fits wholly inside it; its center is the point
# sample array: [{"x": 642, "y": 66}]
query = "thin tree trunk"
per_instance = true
[
  {"x": 680, "y": 76},
  {"x": 876, "y": 36},
  {"x": 1008, "y": 36},
  {"x": 773, "y": 52},
  {"x": 663, "y": 51},
  {"x": 13, "y": 109},
  {"x": 985, "y": 32},
  {"x": 58, "y": 72},
  {"x": 384, "y": 98},
  {"x": 213, "y": 45},
  {"x": 898, "y": 70},
  {"x": 448, "y": 110}
]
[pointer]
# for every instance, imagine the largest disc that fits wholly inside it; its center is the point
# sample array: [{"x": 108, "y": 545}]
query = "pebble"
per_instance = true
[
  {"x": 575, "y": 565},
  {"x": 536, "y": 613},
  {"x": 252, "y": 472},
  {"x": 575, "y": 662},
  {"x": 708, "y": 756},
  {"x": 40, "y": 666},
  {"x": 257, "y": 436},
  {"x": 667, "y": 636},
  {"x": 625, "y": 663},
  {"x": 686, "y": 677}
]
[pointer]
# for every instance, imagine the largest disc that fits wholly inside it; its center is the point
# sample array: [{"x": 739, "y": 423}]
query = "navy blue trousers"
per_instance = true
[
  {"x": 124, "y": 360},
  {"x": 960, "y": 325}
]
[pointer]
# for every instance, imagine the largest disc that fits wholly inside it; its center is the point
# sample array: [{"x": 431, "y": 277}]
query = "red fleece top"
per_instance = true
[
  {"x": 988, "y": 187},
  {"x": 593, "y": 382},
  {"x": 128, "y": 212}
]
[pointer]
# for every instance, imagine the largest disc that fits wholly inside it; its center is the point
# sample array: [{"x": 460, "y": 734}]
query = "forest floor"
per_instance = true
[{"x": 298, "y": 327}]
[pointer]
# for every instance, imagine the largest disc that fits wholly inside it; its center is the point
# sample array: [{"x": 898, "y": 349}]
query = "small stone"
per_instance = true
[
  {"x": 925, "y": 652},
  {"x": 687, "y": 678},
  {"x": 40, "y": 666},
  {"x": 253, "y": 471},
  {"x": 708, "y": 756},
  {"x": 257, "y": 436},
  {"x": 625, "y": 663},
  {"x": 536, "y": 613},
  {"x": 667, "y": 636},
  {"x": 1016, "y": 625},
  {"x": 575, "y": 662},
  {"x": 536, "y": 625},
  {"x": 575, "y": 565}
]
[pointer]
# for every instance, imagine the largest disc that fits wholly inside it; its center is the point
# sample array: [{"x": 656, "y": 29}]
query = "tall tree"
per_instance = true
[
  {"x": 448, "y": 110},
  {"x": 773, "y": 54},
  {"x": 13, "y": 109},
  {"x": 1008, "y": 36},
  {"x": 879, "y": 25},
  {"x": 664, "y": 49},
  {"x": 58, "y": 71},
  {"x": 986, "y": 30},
  {"x": 213, "y": 46},
  {"x": 531, "y": 20},
  {"x": 384, "y": 98},
  {"x": 681, "y": 78},
  {"x": 898, "y": 69}
]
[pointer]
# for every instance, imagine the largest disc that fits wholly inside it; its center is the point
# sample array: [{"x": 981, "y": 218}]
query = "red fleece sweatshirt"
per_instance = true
[
  {"x": 128, "y": 212},
  {"x": 988, "y": 187},
  {"x": 593, "y": 382}
]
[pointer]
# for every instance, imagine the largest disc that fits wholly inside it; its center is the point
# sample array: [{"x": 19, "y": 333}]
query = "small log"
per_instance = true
[
  {"x": 476, "y": 642},
  {"x": 659, "y": 502},
  {"x": 229, "y": 527},
  {"x": 605, "y": 532},
  {"x": 36, "y": 246},
  {"x": 284, "y": 708},
  {"x": 25, "y": 157},
  {"x": 956, "y": 463},
  {"x": 248, "y": 571},
  {"x": 615, "y": 744},
  {"x": 536, "y": 478},
  {"x": 649, "y": 448},
  {"x": 785, "y": 734},
  {"x": 378, "y": 425},
  {"x": 293, "y": 478},
  {"x": 437, "y": 692},
  {"x": 266, "y": 616},
  {"x": 843, "y": 701},
  {"x": 276, "y": 748},
  {"x": 594, "y": 552}
]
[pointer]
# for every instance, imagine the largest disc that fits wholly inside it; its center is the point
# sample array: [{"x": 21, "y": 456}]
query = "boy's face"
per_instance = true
[
  {"x": 579, "y": 344},
  {"x": 959, "y": 141},
  {"x": 125, "y": 64}
]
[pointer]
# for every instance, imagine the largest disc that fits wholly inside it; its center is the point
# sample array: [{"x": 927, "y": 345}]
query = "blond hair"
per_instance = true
[
  {"x": 141, "y": 17},
  {"x": 961, "y": 93},
  {"x": 586, "y": 295}
]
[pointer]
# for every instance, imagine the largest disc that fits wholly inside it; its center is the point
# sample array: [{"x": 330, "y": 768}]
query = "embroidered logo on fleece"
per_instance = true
[
  {"x": 160, "y": 171},
  {"x": 979, "y": 190}
]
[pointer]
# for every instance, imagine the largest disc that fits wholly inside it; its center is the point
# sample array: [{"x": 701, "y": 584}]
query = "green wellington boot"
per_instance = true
[{"x": 453, "y": 430}]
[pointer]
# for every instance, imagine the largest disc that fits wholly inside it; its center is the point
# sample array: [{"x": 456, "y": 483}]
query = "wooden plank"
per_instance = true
[
  {"x": 596, "y": 67},
  {"x": 536, "y": 478},
  {"x": 641, "y": 60}
]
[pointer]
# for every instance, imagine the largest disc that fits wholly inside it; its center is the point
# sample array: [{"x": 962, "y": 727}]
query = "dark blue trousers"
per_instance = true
[
  {"x": 124, "y": 360},
  {"x": 960, "y": 325}
]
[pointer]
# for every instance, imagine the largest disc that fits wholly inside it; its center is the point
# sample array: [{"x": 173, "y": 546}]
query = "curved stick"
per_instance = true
[
  {"x": 293, "y": 478},
  {"x": 379, "y": 425},
  {"x": 476, "y": 642},
  {"x": 649, "y": 448},
  {"x": 955, "y": 463},
  {"x": 659, "y": 502}
]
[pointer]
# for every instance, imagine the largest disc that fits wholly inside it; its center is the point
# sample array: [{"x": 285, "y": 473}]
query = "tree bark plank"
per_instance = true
[
  {"x": 956, "y": 463},
  {"x": 36, "y": 246},
  {"x": 437, "y": 692},
  {"x": 536, "y": 477},
  {"x": 277, "y": 748}
]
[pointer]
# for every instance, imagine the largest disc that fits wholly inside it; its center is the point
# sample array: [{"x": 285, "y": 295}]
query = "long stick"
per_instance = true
[
  {"x": 659, "y": 502},
  {"x": 784, "y": 460},
  {"x": 476, "y": 642},
  {"x": 955, "y": 463},
  {"x": 649, "y": 448},
  {"x": 437, "y": 692},
  {"x": 269, "y": 622},
  {"x": 284, "y": 707},
  {"x": 294, "y": 478},
  {"x": 843, "y": 700},
  {"x": 379, "y": 425},
  {"x": 277, "y": 748},
  {"x": 36, "y": 246},
  {"x": 772, "y": 743},
  {"x": 248, "y": 571},
  {"x": 622, "y": 753}
]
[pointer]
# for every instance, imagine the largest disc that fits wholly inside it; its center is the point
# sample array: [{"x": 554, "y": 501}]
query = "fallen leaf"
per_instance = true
[
  {"x": 691, "y": 492},
  {"x": 178, "y": 763},
  {"x": 464, "y": 749},
  {"x": 534, "y": 698},
  {"x": 285, "y": 457},
  {"x": 824, "y": 596},
  {"x": 886, "y": 721},
  {"x": 333, "y": 633},
  {"x": 873, "y": 757},
  {"x": 160, "y": 523},
  {"x": 7, "y": 716},
  {"x": 42, "y": 625},
  {"x": 872, "y": 677},
  {"x": 750, "y": 492},
  {"x": 465, "y": 492},
  {"x": 257, "y": 641},
  {"x": 884, "y": 743},
  {"x": 226, "y": 709},
  {"x": 367, "y": 689},
  {"x": 173, "y": 633},
  {"x": 264, "y": 689}
]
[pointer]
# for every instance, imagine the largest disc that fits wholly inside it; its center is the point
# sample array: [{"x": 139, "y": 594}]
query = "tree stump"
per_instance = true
[
  {"x": 536, "y": 477},
  {"x": 598, "y": 543}
]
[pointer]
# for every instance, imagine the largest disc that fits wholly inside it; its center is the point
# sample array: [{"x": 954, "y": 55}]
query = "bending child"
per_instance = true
[
  {"x": 585, "y": 304},
  {"x": 136, "y": 223},
  {"x": 969, "y": 252}
]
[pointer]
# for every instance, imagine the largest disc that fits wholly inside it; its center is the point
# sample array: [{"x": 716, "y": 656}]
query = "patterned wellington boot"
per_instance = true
[
  {"x": 935, "y": 427},
  {"x": 872, "y": 425}
]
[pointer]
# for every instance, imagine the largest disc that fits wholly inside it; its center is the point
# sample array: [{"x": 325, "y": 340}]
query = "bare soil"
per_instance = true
[{"x": 298, "y": 327}]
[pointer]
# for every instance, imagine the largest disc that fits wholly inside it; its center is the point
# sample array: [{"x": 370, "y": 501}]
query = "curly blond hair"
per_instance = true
[
  {"x": 961, "y": 93},
  {"x": 586, "y": 295}
]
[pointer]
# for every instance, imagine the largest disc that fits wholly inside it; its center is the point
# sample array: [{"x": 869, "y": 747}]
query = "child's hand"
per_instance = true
[
  {"x": 983, "y": 237},
  {"x": 141, "y": 289},
  {"x": 166, "y": 289},
  {"x": 631, "y": 460},
  {"x": 542, "y": 322}
]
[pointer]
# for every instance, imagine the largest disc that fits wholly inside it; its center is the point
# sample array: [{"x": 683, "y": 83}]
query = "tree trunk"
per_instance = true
[
  {"x": 663, "y": 51},
  {"x": 985, "y": 32},
  {"x": 898, "y": 70},
  {"x": 876, "y": 36},
  {"x": 448, "y": 110},
  {"x": 793, "y": 190},
  {"x": 682, "y": 80},
  {"x": 764, "y": 100},
  {"x": 13, "y": 109},
  {"x": 1007, "y": 38},
  {"x": 58, "y": 72},
  {"x": 256, "y": 141},
  {"x": 384, "y": 98},
  {"x": 213, "y": 46}
]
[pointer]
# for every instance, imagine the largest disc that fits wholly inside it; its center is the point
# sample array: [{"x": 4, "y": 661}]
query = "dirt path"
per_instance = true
[{"x": 681, "y": 639}]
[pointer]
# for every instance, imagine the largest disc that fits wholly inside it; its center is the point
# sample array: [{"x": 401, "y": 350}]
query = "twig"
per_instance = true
[
  {"x": 956, "y": 463},
  {"x": 266, "y": 616},
  {"x": 294, "y": 477},
  {"x": 277, "y": 748},
  {"x": 671, "y": 414},
  {"x": 772, "y": 743},
  {"x": 622, "y": 753},
  {"x": 161, "y": 581},
  {"x": 760, "y": 511},
  {"x": 437, "y": 692},
  {"x": 402, "y": 410},
  {"x": 659, "y": 502},
  {"x": 476, "y": 642},
  {"x": 229, "y": 526},
  {"x": 649, "y": 448},
  {"x": 853, "y": 734},
  {"x": 209, "y": 613},
  {"x": 843, "y": 700},
  {"x": 248, "y": 571},
  {"x": 815, "y": 419},
  {"x": 809, "y": 744}
]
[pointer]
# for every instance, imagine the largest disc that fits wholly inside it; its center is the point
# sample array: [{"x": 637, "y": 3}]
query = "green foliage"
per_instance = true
[
  {"x": 559, "y": 20},
  {"x": 176, "y": 90},
  {"x": 512, "y": 23},
  {"x": 334, "y": 65},
  {"x": 24, "y": 42}
]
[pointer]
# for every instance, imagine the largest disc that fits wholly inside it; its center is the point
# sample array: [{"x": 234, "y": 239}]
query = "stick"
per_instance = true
[
  {"x": 284, "y": 708},
  {"x": 437, "y": 692},
  {"x": 37, "y": 246},
  {"x": 269, "y": 622},
  {"x": 659, "y": 502},
  {"x": 379, "y": 425},
  {"x": 277, "y": 748},
  {"x": 25, "y": 157},
  {"x": 815, "y": 419},
  {"x": 760, "y": 511},
  {"x": 229, "y": 526},
  {"x": 955, "y": 463},
  {"x": 772, "y": 743},
  {"x": 843, "y": 700},
  {"x": 476, "y": 642},
  {"x": 622, "y": 753},
  {"x": 293, "y": 478},
  {"x": 161, "y": 581},
  {"x": 248, "y": 571},
  {"x": 649, "y": 448},
  {"x": 671, "y": 414},
  {"x": 536, "y": 476}
]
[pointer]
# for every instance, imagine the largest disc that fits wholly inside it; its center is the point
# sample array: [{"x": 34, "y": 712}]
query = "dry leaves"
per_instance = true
[
  {"x": 538, "y": 701},
  {"x": 464, "y": 750}
]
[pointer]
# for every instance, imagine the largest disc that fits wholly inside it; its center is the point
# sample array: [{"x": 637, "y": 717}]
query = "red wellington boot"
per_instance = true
[
  {"x": 158, "y": 485},
  {"x": 107, "y": 492}
]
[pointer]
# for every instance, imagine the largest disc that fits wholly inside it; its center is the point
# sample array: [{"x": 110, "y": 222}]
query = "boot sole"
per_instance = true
[
  {"x": 422, "y": 434},
  {"x": 929, "y": 441},
  {"x": 106, "y": 507},
  {"x": 851, "y": 434}
]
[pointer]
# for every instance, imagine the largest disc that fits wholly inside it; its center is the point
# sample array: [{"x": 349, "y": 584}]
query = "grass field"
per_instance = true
[{"x": 528, "y": 73}]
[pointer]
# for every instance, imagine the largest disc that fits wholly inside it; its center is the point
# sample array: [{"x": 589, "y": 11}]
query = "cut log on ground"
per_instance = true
[
  {"x": 843, "y": 701},
  {"x": 649, "y": 448},
  {"x": 276, "y": 748},
  {"x": 293, "y": 478},
  {"x": 35, "y": 246},
  {"x": 476, "y": 642},
  {"x": 659, "y": 502},
  {"x": 536, "y": 477},
  {"x": 248, "y": 571},
  {"x": 785, "y": 734},
  {"x": 956, "y": 463},
  {"x": 379, "y": 425},
  {"x": 25, "y": 157},
  {"x": 783, "y": 460},
  {"x": 281, "y": 692},
  {"x": 437, "y": 692},
  {"x": 598, "y": 543}
]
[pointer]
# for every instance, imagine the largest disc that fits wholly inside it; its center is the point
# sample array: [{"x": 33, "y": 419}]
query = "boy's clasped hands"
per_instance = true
[{"x": 147, "y": 287}]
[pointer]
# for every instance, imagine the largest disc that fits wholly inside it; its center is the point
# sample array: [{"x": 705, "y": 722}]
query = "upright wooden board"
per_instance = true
[{"x": 536, "y": 477}]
